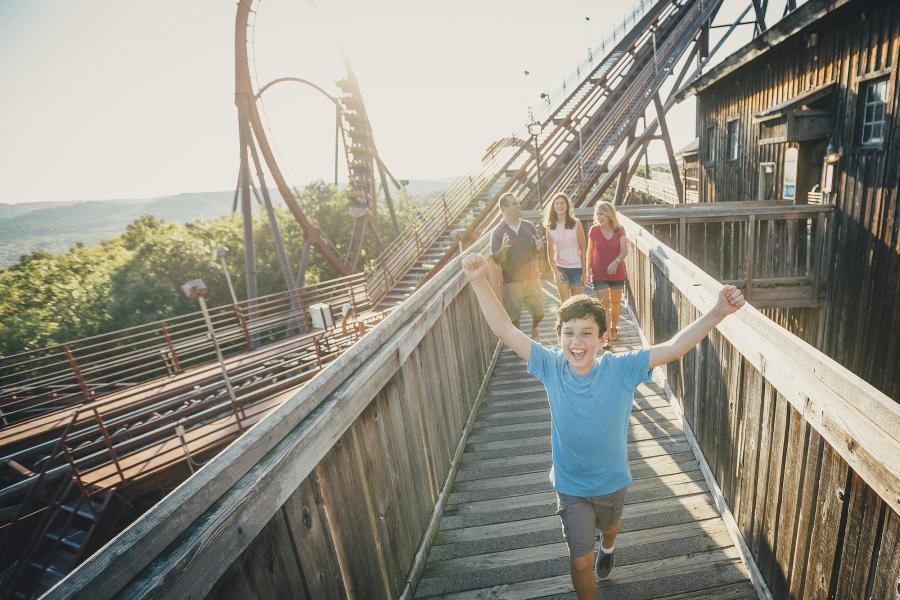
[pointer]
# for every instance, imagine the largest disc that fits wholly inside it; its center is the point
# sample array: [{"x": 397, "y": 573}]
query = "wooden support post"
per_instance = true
[
  {"x": 748, "y": 259},
  {"x": 670, "y": 153},
  {"x": 819, "y": 258},
  {"x": 682, "y": 236},
  {"x": 79, "y": 377}
]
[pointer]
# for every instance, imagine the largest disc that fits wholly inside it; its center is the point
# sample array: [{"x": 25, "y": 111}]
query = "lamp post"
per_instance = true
[
  {"x": 222, "y": 252},
  {"x": 197, "y": 290},
  {"x": 535, "y": 128}
]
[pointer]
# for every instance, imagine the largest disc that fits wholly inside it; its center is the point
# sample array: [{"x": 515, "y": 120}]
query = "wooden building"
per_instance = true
[{"x": 806, "y": 112}]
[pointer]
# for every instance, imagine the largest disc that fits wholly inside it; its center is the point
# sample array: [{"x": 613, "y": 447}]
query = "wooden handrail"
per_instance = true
[
  {"x": 859, "y": 422},
  {"x": 224, "y": 505}
]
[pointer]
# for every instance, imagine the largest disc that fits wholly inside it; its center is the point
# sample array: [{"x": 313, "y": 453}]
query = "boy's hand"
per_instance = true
[
  {"x": 730, "y": 300},
  {"x": 475, "y": 266},
  {"x": 504, "y": 245}
]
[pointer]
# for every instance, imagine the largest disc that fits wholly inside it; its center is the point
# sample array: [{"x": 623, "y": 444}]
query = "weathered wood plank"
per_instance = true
[
  {"x": 266, "y": 569},
  {"x": 826, "y": 532},
  {"x": 353, "y": 528},
  {"x": 305, "y": 515}
]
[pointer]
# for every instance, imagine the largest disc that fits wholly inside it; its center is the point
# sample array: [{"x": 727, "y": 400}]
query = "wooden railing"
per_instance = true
[
  {"x": 661, "y": 191},
  {"x": 805, "y": 454},
  {"x": 343, "y": 482},
  {"x": 778, "y": 253}
]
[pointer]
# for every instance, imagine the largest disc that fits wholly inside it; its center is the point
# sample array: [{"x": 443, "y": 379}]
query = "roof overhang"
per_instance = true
[
  {"x": 787, "y": 27},
  {"x": 693, "y": 147},
  {"x": 807, "y": 97}
]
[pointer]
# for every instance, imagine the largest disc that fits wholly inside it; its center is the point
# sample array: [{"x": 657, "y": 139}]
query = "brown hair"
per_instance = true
[
  {"x": 550, "y": 213},
  {"x": 579, "y": 307}
]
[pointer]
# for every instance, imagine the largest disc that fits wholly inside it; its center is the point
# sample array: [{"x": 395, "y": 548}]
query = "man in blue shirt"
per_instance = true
[{"x": 590, "y": 403}]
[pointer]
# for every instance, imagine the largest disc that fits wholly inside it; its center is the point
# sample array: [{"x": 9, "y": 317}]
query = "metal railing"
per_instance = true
[{"x": 68, "y": 374}]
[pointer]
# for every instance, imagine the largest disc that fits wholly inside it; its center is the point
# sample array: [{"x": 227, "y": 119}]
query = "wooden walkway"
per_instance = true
[{"x": 500, "y": 537}]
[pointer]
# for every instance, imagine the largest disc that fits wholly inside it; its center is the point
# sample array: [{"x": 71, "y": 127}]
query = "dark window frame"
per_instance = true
[
  {"x": 732, "y": 139},
  {"x": 711, "y": 133},
  {"x": 872, "y": 112}
]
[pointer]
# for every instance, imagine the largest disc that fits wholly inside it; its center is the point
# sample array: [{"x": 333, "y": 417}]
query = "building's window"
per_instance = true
[
  {"x": 711, "y": 144},
  {"x": 874, "y": 110},
  {"x": 731, "y": 139}
]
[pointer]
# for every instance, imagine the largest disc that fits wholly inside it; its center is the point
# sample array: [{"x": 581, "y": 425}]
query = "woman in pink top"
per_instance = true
[
  {"x": 565, "y": 246},
  {"x": 607, "y": 249}
]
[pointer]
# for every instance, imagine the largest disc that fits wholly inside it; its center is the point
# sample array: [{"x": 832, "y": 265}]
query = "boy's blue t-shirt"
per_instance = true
[{"x": 589, "y": 418}]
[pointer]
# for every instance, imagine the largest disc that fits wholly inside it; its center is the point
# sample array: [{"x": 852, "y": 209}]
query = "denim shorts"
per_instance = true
[
  {"x": 603, "y": 284},
  {"x": 580, "y": 515},
  {"x": 570, "y": 275}
]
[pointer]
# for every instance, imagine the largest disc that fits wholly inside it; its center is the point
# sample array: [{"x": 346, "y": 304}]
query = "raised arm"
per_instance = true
[
  {"x": 730, "y": 300},
  {"x": 475, "y": 267}
]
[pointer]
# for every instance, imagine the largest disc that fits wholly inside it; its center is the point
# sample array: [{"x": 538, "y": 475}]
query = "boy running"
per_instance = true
[{"x": 590, "y": 404}]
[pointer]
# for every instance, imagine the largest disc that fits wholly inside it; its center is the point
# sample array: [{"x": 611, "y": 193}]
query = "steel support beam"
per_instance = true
[{"x": 670, "y": 153}]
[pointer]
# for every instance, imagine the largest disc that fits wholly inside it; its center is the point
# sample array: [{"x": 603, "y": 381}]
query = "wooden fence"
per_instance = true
[
  {"x": 334, "y": 494},
  {"x": 806, "y": 454}
]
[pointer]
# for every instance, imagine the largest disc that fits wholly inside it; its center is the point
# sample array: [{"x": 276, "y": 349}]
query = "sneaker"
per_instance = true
[{"x": 603, "y": 564}]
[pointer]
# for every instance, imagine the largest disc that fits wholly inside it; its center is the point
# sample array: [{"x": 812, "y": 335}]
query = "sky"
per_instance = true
[{"x": 134, "y": 99}]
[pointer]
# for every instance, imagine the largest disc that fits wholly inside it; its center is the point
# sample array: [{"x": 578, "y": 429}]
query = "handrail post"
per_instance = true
[
  {"x": 79, "y": 377},
  {"x": 318, "y": 351},
  {"x": 239, "y": 311},
  {"x": 109, "y": 445},
  {"x": 171, "y": 346},
  {"x": 748, "y": 259}
]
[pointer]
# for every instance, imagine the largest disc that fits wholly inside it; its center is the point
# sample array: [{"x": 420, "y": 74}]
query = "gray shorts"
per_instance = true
[{"x": 581, "y": 514}]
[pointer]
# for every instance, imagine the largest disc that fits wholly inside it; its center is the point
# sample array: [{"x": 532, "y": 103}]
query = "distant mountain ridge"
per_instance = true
[{"x": 57, "y": 226}]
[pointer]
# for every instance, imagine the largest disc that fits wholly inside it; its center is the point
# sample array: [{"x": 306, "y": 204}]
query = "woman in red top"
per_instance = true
[{"x": 606, "y": 251}]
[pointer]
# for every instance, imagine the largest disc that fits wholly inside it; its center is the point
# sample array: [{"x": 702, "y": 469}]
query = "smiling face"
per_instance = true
[
  {"x": 560, "y": 206},
  {"x": 581, "y": 331},
  {"x": 580, "y": 341}
]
